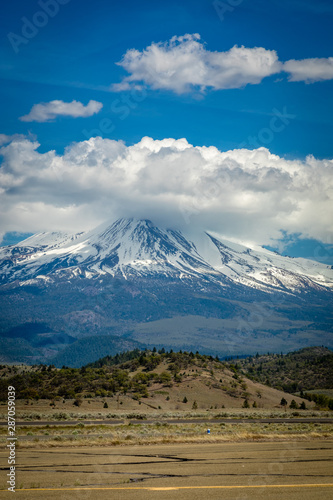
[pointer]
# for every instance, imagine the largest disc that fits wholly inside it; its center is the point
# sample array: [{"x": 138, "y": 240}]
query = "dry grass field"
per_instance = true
[{"x": 164, "y": 428}]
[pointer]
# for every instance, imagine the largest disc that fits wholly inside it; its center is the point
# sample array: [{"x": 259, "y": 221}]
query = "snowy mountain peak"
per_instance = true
[
  {"x": 137, "y": 248},
  {"x": 131, "y": 245}
]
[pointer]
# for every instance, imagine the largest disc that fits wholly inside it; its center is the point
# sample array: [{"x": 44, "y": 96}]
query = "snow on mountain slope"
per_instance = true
[
  {"x": 54, "y": 239},
  {"x": 126, "y": 247},
  {"x": 260, "y": 267},
  {"x": 137, "y": 248}
]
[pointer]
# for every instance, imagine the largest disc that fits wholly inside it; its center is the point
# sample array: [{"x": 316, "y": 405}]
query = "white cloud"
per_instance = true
[
  {"x": 183, "y": 63},
  {"x": 5, "y": 139},
  {"x": 244, "y": 194},
  {"x": 309, "y": 70},
  {"x": 47, "y": 111}
]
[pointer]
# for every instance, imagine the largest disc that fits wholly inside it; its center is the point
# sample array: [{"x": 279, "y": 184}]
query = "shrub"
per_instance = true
[{"x": 165, "y": 378}]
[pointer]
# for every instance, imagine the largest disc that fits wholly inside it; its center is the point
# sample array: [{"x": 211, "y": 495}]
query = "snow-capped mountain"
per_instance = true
[
  {"x": 127, "y": 248},
  {"x": 132, "y": 282},
  {"x": 137, "y": 248}
]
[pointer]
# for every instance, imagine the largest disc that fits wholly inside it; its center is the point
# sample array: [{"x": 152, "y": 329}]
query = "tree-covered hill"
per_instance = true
[
  {"x": 299, "y": 371},
  {"x": 157, "y": 379}
]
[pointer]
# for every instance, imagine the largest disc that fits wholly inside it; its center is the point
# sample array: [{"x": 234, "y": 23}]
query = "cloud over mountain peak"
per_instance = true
[{"x": 241, "y": 193}]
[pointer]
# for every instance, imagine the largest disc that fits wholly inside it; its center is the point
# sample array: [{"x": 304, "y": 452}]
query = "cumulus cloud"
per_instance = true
[
  {"x": 245, "y": 194},
  {"x": 309, "y": 70},
  {"x": 47, "y": 111},
  {"x": 183, "y": 64},
  {"x": 5, "y": 139}
]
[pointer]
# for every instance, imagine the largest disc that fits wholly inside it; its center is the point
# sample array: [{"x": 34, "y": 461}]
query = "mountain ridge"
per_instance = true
[
  {"x": 158, "y": 287},
  {"x": 141, "y": 246}
]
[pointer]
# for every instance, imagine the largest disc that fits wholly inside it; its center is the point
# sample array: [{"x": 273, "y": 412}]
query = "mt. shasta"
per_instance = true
[{"x": 136, "y": 283}]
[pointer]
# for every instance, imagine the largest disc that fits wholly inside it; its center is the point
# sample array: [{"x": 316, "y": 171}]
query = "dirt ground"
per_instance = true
[{"x": 239, "y": 471}]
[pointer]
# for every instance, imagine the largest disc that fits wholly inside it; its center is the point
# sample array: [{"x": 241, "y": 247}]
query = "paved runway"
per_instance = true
[{"x": 235, "y": 471}]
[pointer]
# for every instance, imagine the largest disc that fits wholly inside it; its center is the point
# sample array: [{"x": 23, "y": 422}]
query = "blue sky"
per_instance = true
[{"x": 72, "y": 56}]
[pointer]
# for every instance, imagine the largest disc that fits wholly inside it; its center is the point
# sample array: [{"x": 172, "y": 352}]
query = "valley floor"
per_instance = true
[{"x": 289, "y": 469}]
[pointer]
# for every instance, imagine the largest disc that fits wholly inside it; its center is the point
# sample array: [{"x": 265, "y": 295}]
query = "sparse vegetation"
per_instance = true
[
  {"x": 163, "y": 432},
  {"x": 129, "y": 372},
  {"x": 149, "y": 379}
]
